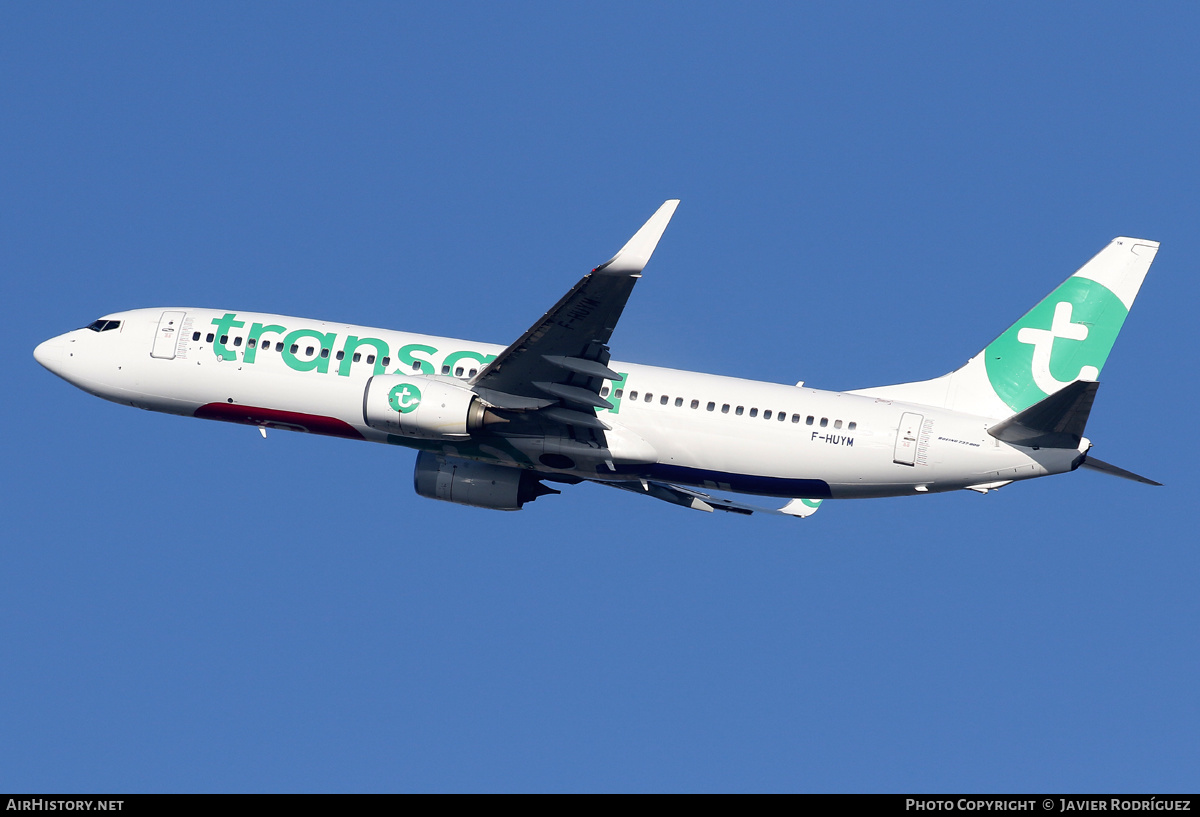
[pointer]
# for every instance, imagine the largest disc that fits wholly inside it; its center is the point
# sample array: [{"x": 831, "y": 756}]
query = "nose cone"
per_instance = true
[{"x": 50, "y": 354}]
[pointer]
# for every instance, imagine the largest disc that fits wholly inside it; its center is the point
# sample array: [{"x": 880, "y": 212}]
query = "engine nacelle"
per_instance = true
[
  {"x": 499, "y": 487},
  {"x": 425, "y": 407}
]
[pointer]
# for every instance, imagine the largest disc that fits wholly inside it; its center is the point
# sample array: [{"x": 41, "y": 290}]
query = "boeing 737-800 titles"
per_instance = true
[{"x": 494, "y": 424}]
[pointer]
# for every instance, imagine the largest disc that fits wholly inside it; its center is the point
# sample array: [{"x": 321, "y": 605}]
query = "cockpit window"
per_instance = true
[{"x": 103, "y": 325}]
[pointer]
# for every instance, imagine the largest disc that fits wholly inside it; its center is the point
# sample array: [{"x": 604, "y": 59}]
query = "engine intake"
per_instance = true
[{"x": 481, "y": 484}]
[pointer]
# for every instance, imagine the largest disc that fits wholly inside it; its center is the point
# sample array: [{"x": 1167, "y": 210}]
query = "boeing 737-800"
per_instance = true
[{"x": 494, "y": 424}]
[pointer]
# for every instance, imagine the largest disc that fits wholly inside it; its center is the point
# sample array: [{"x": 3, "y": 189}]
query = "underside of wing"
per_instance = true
[{"x": 700, "y": 501}]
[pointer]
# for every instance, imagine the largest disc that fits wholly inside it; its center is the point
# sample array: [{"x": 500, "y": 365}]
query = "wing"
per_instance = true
[
  {"x": 558, "y": 366},
  {"x": 700, "y": 501}
]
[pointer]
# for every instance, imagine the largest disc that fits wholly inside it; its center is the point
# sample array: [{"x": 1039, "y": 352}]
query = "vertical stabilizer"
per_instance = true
[{"x": 1065, "y": 338}]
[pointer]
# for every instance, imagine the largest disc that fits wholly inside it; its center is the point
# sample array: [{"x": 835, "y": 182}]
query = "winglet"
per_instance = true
[{"x": 637, "y": 251}]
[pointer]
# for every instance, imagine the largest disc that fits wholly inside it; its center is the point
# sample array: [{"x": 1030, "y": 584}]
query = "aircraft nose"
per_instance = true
[{"x": 50, "y": 354}]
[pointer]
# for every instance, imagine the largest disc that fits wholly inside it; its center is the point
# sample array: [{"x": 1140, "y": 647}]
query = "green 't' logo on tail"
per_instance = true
[{"x": 1064, "y": 338}]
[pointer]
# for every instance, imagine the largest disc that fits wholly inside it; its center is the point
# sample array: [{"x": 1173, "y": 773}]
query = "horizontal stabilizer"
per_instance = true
[
  {"x": 1056, "y": 421},
  {"x": 1106, "y": 468}
]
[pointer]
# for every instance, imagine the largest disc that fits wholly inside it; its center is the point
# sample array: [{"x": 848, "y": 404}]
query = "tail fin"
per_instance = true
[{"x": 1065, "y": 338}]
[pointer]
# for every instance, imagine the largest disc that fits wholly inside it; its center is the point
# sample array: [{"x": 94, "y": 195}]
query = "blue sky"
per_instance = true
[{"x": 870, "y": 193}]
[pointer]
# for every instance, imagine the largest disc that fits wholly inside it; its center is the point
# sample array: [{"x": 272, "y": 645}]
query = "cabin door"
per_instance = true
[
  {"x": 906, "y": 439},
  {"x": 168, "y": 333}
]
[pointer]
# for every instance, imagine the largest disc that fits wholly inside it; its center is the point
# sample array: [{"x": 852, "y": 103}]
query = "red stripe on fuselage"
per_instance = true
[{"x": 274, "y": 418}]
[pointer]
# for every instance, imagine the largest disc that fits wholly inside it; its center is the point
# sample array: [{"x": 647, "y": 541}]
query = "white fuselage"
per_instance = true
[{"x": 684, "y": 427}]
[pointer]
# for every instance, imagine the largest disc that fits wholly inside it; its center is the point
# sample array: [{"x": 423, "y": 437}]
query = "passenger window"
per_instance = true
[
  {"x": 633, "y": 395},
  {"x": 725, "y": 409},
  {"x": 237, "y": 341},
  {"x": 308, "y": 350},
  {"x": 795, "y": 418},
  {"x": 678, "y": 402},
  {"x": 753, "y": 412},
  {"x": 370, "y": 358},
  {"x": 739, "y": 410},
  {"x": 445, "y": 369},
  {"x": 711, "y": 406},
  {"x": 295, "y": 348},
  {"x": 387, "y": 361},
  {"x": 604, "y": 391},
  {"x": 617, "y": 394},
  {"x": 824, "y": 422},
  {"x": 209, "y": 337},
  {"x": 253, "y": 342},
  {"x": 837, "y": 423},
  {"x": 195, "y": 336},
  {"x": 357, "y": 357},
  {"x": 782, "y": 416},
  {"x": 852, "y": 426},
  {"x": 279, "y": 346},
  {"x": 341, "y": 355},
  {"x": 325, "y": 353},
  {"x": 458, "y": 371},
  {"x": 649, "y": 397},
  {"x": 416, "y": 365},
  {"x": 767, "y": 414},
  {"x": 695, "y": 404},
  {"x": 224, "y": 339},
  {"x": 662, "y": 401},
  {"x": 809, "y": 420}
]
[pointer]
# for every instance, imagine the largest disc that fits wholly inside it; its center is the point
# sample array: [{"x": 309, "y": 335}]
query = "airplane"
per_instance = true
[{"x": 493, "y": 425}]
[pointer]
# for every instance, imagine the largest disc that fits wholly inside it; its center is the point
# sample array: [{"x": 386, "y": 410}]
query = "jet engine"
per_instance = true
[
  {"x": 481, "y": 484},
  {"x": 430, "y": 408}
]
